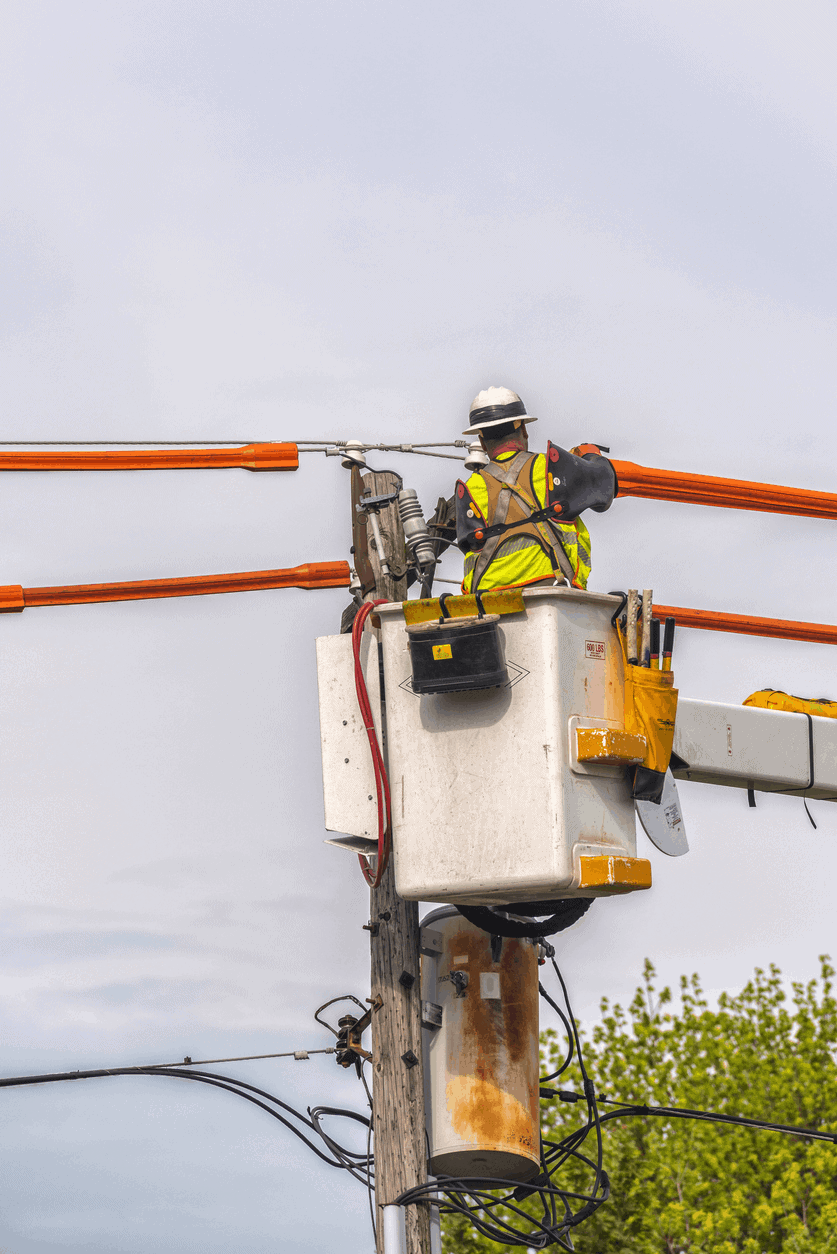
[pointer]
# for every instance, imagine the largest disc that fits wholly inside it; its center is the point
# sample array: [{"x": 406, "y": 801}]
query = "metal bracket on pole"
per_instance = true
[
  {"x": 356, "y": 1029},
  {"x": 370, "y": 506},
  {"x": 350, "y": 1029}
]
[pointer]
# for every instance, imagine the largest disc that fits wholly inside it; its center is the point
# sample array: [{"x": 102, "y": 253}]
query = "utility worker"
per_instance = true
[{"x": 517, "y": 516}]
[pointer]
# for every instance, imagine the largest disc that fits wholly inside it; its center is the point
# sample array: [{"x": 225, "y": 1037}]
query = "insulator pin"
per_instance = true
[
  {"x": 354, "y": 454},
  {"x": 477, "y": 457}
]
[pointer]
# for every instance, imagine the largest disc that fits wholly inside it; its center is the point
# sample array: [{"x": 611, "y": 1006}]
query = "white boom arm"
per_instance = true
[{"x": 746, "y": 747}]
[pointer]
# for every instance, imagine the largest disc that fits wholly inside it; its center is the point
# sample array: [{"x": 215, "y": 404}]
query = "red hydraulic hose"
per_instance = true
[{"x": 381, "y": 779}]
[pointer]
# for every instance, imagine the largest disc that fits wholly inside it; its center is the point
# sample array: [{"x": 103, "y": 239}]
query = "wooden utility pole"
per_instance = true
[{"x": 398, "y": 1079}]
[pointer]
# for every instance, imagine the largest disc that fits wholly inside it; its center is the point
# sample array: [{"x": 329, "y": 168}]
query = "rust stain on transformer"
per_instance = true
[
  {"x": 519, "y": 986},
  {"x": 492, "y": 1093},
  {"x": 489, "y": 1117}
]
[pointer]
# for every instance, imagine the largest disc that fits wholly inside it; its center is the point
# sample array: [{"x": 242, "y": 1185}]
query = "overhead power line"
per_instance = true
[
  {"x": 357, "y": 1164},
  {"x": 244, "y": 457},
  {"x": 14, "y": 598},
  {"x": 237, "y": 440},
  {"x": 692, "y": 489},
  {"x": 99, "y": 443},
  {"x": 301, "y": 1055},
  {"x": 749, "y": 625},
  {"x": 177, "y": 455},
  {"x": 710, "y": 1116},
  {"x": 476, "y": 1199}
]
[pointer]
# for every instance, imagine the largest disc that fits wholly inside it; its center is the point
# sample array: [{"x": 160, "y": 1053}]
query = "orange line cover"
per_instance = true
[
  {"x": 313, "y": 575},
  {"x": 245, "y": 457},
  {"x": 746, "y": 625},
  {"x": 675, "y": 485}
]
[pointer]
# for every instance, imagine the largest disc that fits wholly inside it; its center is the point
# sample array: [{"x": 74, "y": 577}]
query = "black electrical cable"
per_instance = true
[
  {"x": 240, "y": 1087},
  {"x": 474, "y": 1198},
  {"x": 593, "y": 1117},
  {"x": 356, "y": 1162},
  {"x": 628, "y": 1110},
  {"x": 553, "y": 1075},
  {"x": 243, "y": 1089},
  {"x": 589, "y": 1092}
]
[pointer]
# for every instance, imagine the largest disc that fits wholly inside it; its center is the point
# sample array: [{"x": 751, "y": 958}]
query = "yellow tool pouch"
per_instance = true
[
  {"x": 770, "y": 699},
  {"x": 650, "y": 710}
]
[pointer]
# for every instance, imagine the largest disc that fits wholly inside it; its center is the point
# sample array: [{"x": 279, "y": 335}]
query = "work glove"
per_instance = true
[{"x": 579, "y": 481}]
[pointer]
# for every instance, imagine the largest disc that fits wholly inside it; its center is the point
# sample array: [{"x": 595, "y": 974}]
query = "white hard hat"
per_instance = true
[{"x": 492, "y": 407}]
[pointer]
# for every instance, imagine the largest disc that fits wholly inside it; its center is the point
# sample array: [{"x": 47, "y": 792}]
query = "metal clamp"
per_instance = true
[{"x": 371, "y": 504}]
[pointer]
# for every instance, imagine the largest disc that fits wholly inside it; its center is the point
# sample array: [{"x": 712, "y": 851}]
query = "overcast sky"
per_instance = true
[{"x": 290, "y": 221}]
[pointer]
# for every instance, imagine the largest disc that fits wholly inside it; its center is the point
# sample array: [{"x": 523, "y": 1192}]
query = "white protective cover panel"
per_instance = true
[
  {"x": 743, "y": 746},
  {"x": 348, "y": 780},
  {"x": 486, "y": 804}
]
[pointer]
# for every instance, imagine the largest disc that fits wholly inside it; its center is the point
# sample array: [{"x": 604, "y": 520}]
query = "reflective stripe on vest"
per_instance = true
[{"x": 523, "y": 558}]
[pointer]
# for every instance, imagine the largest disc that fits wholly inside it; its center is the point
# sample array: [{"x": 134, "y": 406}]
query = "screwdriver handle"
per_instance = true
[
  {"x": 655, "y": 644},
  {"x": 668, "y": 644}
]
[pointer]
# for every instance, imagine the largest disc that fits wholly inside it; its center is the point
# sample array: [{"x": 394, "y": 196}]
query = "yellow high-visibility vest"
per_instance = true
[{"x": 526, "y": 558}]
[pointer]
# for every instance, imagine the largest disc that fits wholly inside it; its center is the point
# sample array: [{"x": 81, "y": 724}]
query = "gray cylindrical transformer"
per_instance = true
[
  {"x": 415, "y": 528},
  {"x": 480, "y": 1018}
]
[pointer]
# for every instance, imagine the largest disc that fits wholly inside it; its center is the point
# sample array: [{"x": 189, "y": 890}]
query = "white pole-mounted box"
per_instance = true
[{"x": 489, "y": 801}]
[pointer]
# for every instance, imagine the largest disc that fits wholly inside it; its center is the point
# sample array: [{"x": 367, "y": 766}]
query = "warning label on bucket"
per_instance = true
[{"x": 595, "y": 650}]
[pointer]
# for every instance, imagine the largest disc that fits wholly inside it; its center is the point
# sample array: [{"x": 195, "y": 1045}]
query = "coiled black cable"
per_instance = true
[
  {"x": 475, "y": 1198},
  {"x": 357, "y": 1164}
]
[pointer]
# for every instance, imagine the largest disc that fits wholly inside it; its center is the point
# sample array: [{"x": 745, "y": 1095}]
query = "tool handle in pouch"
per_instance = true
[{"x": 650, "y": 711}]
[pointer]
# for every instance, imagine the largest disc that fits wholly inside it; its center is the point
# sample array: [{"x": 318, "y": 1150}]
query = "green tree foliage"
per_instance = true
[{"x": 684, "y": 1187}]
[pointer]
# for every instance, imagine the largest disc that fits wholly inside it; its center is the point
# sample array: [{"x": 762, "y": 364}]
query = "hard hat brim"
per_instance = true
[{"x": 497, "y": 422}]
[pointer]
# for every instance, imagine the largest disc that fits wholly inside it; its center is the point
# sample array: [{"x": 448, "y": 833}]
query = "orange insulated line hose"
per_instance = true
[
  {"x": 675, "y": 485},
  {"x": 746, "y": 625},
  {"x": 245, "y": 457},
  {"x": 313, "y": 575}
]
